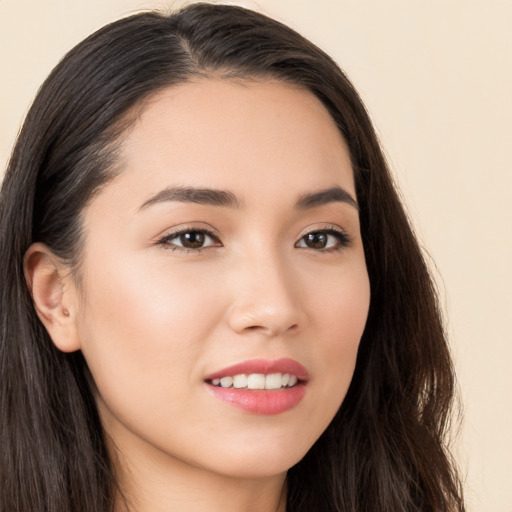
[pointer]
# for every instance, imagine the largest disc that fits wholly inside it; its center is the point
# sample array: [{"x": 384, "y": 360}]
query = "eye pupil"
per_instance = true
[
  {"x": 192, "y": 239},
  {"x": 316, "y": 240}
]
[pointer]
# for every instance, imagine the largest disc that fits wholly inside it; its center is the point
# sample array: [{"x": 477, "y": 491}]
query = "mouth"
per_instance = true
[{"x": 260, "y": 386}]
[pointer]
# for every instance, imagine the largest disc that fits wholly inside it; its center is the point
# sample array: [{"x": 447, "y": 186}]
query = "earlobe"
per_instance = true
[{"x": 53, "y": 294}]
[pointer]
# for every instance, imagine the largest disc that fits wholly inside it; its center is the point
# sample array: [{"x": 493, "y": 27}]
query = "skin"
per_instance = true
[{"x": 153, "y": 319}]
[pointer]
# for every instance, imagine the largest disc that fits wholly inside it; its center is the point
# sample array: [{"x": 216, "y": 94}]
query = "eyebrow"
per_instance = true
[
  {"x": 322, "y": 197},
  {"x": 225, "y": 198},
  {"x": 194, "y": 195}
]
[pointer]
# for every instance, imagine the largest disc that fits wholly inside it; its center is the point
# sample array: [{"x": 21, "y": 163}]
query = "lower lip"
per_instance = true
[{"x": 261, "y": 401}]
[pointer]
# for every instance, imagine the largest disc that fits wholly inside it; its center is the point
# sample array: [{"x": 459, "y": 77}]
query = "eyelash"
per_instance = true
[
  {"x": 343, "y": 238},
  {"x": 171, "y": 236}
]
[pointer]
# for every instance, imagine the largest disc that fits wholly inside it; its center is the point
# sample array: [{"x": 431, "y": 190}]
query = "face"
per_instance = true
[{"x": 228, "y": 246}]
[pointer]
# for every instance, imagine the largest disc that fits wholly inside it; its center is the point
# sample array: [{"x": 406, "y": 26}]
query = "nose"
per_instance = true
[{"x": 267, "y": 298}]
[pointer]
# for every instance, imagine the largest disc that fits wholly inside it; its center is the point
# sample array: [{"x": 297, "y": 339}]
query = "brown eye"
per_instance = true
[
  {"x": 316, "y": 240},
  {"x": 192, "y": 239},
  {"x": 330, "y": 239}
]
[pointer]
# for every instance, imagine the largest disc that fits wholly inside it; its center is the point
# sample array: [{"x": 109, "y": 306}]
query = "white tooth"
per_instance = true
[
  {"x": 226, "y": 382},
  {"x": 285, "y": 379},
  {"x": 273, "y": 381},
  {"x": 240, "y": 381},
  {"x": 256, "y": 381},
  {"x": 216, "y": 382},
  {"x": 292, "y": 381}
]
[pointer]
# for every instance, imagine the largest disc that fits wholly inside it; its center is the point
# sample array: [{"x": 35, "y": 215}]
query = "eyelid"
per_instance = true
[
  {"x": 188, "y": 228},
  {"x": 323, "y": 226},
  {"x": 344, "y": 238}
]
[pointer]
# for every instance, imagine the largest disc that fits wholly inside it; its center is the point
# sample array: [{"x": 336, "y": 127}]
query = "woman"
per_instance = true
[{"x": 211, "y": 294}]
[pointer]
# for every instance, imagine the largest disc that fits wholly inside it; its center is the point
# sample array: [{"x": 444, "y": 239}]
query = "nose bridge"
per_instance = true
[{"x": 265, "y": 294}]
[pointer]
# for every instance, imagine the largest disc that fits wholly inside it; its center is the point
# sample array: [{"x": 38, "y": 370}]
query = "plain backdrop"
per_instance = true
[{"x": 436, "y": 76}]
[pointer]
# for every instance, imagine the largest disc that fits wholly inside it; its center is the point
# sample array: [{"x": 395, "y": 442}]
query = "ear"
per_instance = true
[{"x": 54, "y": 294}]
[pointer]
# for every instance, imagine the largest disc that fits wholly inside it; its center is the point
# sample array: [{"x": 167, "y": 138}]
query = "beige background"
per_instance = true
[{"x": 437, "y": 79}]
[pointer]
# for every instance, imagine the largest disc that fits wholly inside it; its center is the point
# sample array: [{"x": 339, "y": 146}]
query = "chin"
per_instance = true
[{"x": 258, "y": 461}]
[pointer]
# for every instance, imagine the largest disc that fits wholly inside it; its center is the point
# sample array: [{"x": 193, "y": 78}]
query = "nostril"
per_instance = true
[
  {"x": 265, "y": 317},
  {"x": 271, "y": 330}
]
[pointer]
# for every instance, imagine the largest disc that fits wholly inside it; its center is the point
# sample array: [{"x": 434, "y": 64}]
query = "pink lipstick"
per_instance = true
[{"x": 260, "y": 386}]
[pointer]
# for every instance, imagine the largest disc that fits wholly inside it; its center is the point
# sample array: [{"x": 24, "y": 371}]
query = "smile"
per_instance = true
[{"x": 260, "y": 386}]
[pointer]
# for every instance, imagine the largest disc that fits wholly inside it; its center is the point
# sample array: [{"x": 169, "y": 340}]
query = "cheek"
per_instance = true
[
  {"x": 147, "y": 303},
  {"x": 340, "y": 319},
  {"x": 341, "y": 307},
  {"x": 143, "y": 327},
  {"x": 349, "y": 308}
]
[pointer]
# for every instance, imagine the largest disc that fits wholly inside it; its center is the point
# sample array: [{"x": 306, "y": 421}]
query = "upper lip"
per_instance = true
[{"x": 263, "y": 366}]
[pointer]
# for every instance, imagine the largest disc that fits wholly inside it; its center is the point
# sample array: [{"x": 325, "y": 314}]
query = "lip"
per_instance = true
[
  {"x": 264, "y": 366},
  {"x": 264, "y": 401}
]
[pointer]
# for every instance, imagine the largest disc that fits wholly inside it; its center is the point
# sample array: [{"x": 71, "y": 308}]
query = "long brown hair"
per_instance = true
[{"x": 386, "y": 448}]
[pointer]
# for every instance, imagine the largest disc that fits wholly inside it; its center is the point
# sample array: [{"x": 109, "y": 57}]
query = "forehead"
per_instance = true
[{"x": 257, "y": 139}]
